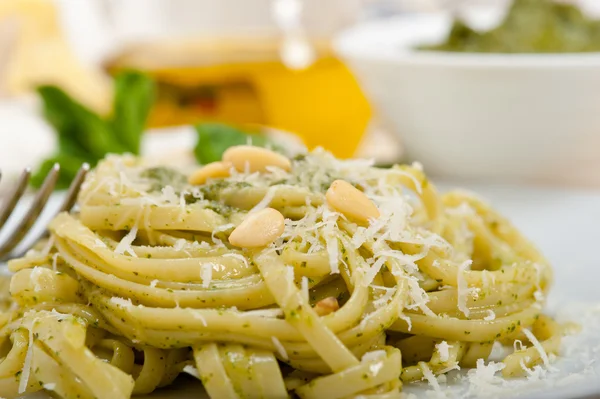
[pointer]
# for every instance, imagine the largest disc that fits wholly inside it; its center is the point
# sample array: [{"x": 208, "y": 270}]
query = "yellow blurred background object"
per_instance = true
[
  {"x": 35, "y": 51},
  {"x": 238, "y": 79},
  {"x": 243, "y": 81}
]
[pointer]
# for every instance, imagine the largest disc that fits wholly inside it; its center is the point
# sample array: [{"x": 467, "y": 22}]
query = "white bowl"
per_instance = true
[{"x": 502, "y": 116}]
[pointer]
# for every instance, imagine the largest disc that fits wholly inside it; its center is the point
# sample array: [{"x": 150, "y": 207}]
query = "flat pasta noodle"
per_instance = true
[{"x": 141, "y": 283}]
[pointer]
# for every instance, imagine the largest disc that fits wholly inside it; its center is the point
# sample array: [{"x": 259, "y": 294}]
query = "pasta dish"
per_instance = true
[{"x": 270, "y": 277}]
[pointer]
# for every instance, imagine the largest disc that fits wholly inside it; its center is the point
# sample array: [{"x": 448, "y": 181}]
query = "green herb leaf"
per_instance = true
[
  {"x": 215, "y": 138},
  {"x": 84, "y": 136},
  {"x": 162, "y": 176},
  {"x": 134, "y": 96},
  {"x": 75, "y": 123}
]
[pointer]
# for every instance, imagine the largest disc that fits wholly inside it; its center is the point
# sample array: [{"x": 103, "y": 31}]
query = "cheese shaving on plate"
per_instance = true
[
  {"x": 430, "y": 377},
  {"x": 483, "y": 378}
]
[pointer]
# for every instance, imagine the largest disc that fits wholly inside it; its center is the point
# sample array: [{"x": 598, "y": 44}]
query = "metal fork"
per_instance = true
[{"x": 16, "y": 236}]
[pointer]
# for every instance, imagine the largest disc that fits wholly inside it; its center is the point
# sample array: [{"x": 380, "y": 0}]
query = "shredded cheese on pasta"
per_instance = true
[{"x": 146, "y": 265}]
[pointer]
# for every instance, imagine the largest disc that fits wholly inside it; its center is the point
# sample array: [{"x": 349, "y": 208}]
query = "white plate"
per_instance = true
[{"x": 564, "y": 225}]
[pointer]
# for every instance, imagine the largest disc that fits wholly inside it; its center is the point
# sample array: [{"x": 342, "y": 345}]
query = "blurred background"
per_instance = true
[{"x": 471, "y": 89}]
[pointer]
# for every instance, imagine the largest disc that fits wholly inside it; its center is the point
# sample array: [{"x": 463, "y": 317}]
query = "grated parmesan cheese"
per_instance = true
[
  {"x": 430, "y": 377},
  {"x": 168, "y": 195},
  {"x": 49, "y": 386},
  {"x": 407, "y": 319},
  {"x": 373, "y": 356},
  {"x": 443, "y": 349},
  {"x": 374, "y": 270},
  {"x": 518, "y": 345},
  {"x": 198, "y": 316},
  {"x": 375, "y": 368},
  {"x": 266, "y": 201},
  {"x": 385, "y": 298},
  {"x": 206, "y": 274},
  {"x": 483, "y": 380},
  {"x": 124, "y": 245},
  {"x": 24, "y": 379},
  {"x": 305, "y": 295},
  {"x": 191, "y": 370},
  {"x": 35, "y": 274},
  {"x": 452, "y": 366},
  {"x": 124, "y": 303},
  {"x": 280, "y": 348},
  {"x": 331, "y": 241},
  {"x": 179, "y": 244},
  {"x": 220, "y": 229},
  {"x": 462, "y": 288},
  {"x": 491, "y": 315},
  {"x": 289, "y": 271},
  {"x": 536, "y": 344}
]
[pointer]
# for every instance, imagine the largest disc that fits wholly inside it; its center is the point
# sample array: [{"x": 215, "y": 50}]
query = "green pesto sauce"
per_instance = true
[
  {"x": 531, "y": 26},
  {"x": 162, "y": 176},
  {"x": 222, "y": 209},
  {"x": 213, "y": 190}
]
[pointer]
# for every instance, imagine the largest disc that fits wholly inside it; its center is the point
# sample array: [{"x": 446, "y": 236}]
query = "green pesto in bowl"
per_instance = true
[{"x": 531, "y": 26}]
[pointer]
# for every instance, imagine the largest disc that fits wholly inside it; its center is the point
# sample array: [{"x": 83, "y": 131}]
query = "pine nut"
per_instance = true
[
  {"x": 326, "y": 306},
  {"x": 258, "y": 229},
  {"x": 257, "y": 159},
  {"x": 214, "y": 170},
  {"x": 353, "y": 203}
]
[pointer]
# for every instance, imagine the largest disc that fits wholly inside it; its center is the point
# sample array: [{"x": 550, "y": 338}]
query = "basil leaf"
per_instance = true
[
  {"x": 134, "y": 97},
  {"x": 75, "y": 123},
  {"x": 215, "y": 138},
  {"x": 84, "y": 136}
]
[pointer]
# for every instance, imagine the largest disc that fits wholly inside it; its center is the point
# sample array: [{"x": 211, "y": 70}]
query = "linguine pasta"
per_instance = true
[{"x": 342, "y": 298}]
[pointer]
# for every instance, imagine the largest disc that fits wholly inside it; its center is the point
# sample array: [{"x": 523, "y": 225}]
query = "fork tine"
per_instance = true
[
  {"x": 68, "y": 203},
  {"x": 16, "y": 195},
  {"x": 34, "y": 211},
  {"x": 74, "y": 188}
]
